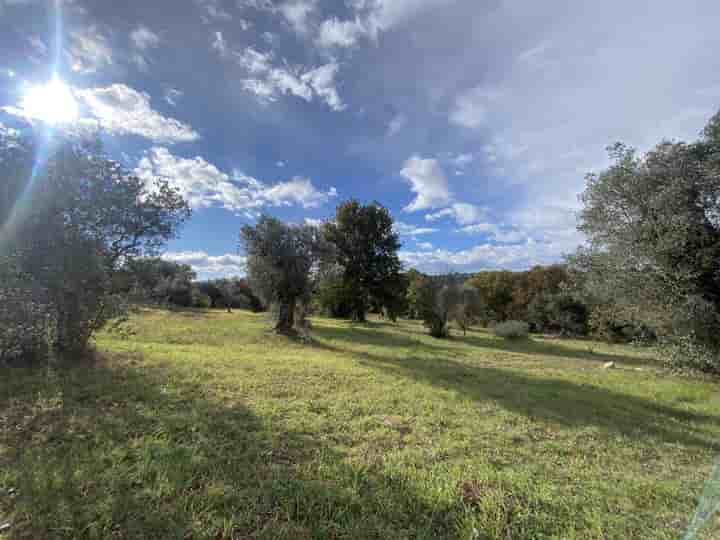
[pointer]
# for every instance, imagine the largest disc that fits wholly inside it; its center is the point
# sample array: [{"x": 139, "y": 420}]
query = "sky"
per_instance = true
[{"x": 473, "y": 122}]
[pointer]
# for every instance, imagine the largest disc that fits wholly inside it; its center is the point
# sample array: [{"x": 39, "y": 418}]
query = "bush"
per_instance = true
[
  {"x": 686, "y": 354},
  {"x": 512, "y": 330}
]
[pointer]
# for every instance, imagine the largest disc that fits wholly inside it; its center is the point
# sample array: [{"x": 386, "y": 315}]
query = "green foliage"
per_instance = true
[
  {"x": 496, "y": 291},
  {"x": 366, "y": 250},
  {"x": 469, "y": 308},
  {"x": 687, "y": 353},
  {"x": 534, "y": 295},
  {"x": 413, "y": 295},
  {"x": 68, "y": 229},
  {"x": 280, "y": 262},
  {"x": 654, "y": 235},
  {"x": 333, "y": 296},
  {"x": 512, "y": 330},
  {"x": 560, "y": 313},
  {"x": 439, "y": 300}
]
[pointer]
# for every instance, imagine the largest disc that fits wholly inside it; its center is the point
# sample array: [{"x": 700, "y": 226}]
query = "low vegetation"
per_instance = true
[
  {"x": 512, "y": 330},
  {"x": 206, "y": 425}
]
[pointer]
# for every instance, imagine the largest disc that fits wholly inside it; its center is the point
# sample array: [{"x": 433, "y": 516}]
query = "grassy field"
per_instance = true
[{"x": 206, "y": 425}]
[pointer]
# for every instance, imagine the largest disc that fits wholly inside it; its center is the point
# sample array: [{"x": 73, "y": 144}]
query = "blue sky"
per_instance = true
[{"x": 474, "y": 122}]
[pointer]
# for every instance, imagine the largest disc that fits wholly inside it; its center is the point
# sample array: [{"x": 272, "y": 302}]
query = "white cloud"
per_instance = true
[
  {"x": 462, "y": 213},
  {"x": 297, "y": 12},
  {"x": 322, "y": 81},
  {"x": 268, "y": 82},
  {"x": 426, "y": 246},
  {"x": 219, "y": 43},
  {"x": 396, "y": 124},
  {"x": 337, "y": 33},
  {"x": 212, "y": 10},
  {"x": 314, "y": 222},
  {"x": 121, "y": 110},
  {"x": 280, "y": 164},
  {"x": 205, "y": 186},
  {"x": 208, "y": 266},
  {"x": 89, "y": 50},
  {"x": 244, "y": 24},
  {"x": 298, "y": 191},
  {"x": 143, "y": 38},
  {"x": 252, "y": 60},
  {"x": 172, "y": 95},
  {"x": 495, "y": 232},
  {"x": 406, "y": 229},
  {"x": 427, "y": 180},
  {"x": 482, "y": 257}
]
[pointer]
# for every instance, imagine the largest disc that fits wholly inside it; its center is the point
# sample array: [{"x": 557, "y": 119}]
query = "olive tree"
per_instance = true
[
  {"x": 469, "y": 307},
  {"x": 71, "y": 219},
  {"x": 438, "y": 301},
  {"x": 282, "y": 260},
  {"x": 653, "y": 225}
]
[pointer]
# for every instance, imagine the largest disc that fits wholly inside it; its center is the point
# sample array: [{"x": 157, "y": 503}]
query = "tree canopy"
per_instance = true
[{"x": 366, "y": 249}]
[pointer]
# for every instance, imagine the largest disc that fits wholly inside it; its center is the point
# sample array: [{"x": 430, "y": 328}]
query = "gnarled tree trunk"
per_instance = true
[{"x": 286, "y": 316}]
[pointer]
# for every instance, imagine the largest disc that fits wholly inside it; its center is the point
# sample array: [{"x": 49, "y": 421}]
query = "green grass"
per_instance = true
[{"x": 206, "y": 425}]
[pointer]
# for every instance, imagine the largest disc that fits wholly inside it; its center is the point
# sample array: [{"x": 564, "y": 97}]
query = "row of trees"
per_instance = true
[
  {"x": 78, "y": 234},
  {"x": 350, "y": 262},
  {"x": 158, "y": 281}
]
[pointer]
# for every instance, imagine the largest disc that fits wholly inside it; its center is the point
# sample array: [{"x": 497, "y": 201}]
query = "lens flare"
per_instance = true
[{"x": 52, "y": 103}]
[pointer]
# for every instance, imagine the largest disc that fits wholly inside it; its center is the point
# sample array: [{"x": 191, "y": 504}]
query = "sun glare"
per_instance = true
[{"x": 52, "y": 102}]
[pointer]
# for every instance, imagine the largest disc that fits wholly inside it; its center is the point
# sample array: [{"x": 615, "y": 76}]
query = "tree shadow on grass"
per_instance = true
[
  {"x": 412, "y": 339},
  {"x": 123, "y": 453},
  {"x": 554, "y": 400},
  {"x": 534, "y": 347}
]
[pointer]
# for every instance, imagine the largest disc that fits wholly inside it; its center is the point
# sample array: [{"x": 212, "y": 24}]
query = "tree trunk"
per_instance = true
[
  {"x": 358, "y": 315},
  {"x": 286, "y": 317}
]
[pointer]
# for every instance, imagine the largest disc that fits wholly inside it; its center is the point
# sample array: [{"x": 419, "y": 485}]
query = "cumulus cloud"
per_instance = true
[
  {"x": 462, "y": 213},
  {"x": 208, "y": 266},
  {"x": 483, "y": 257},
  {"x": 205, "y": 186},
  {"x": 427, "y": 180},
  {"x": 89, "y": 50},
  {"x": 121, "y": 110}
]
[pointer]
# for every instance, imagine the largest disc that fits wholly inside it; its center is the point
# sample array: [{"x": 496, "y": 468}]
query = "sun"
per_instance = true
[{"x": 52, "y": 102}]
